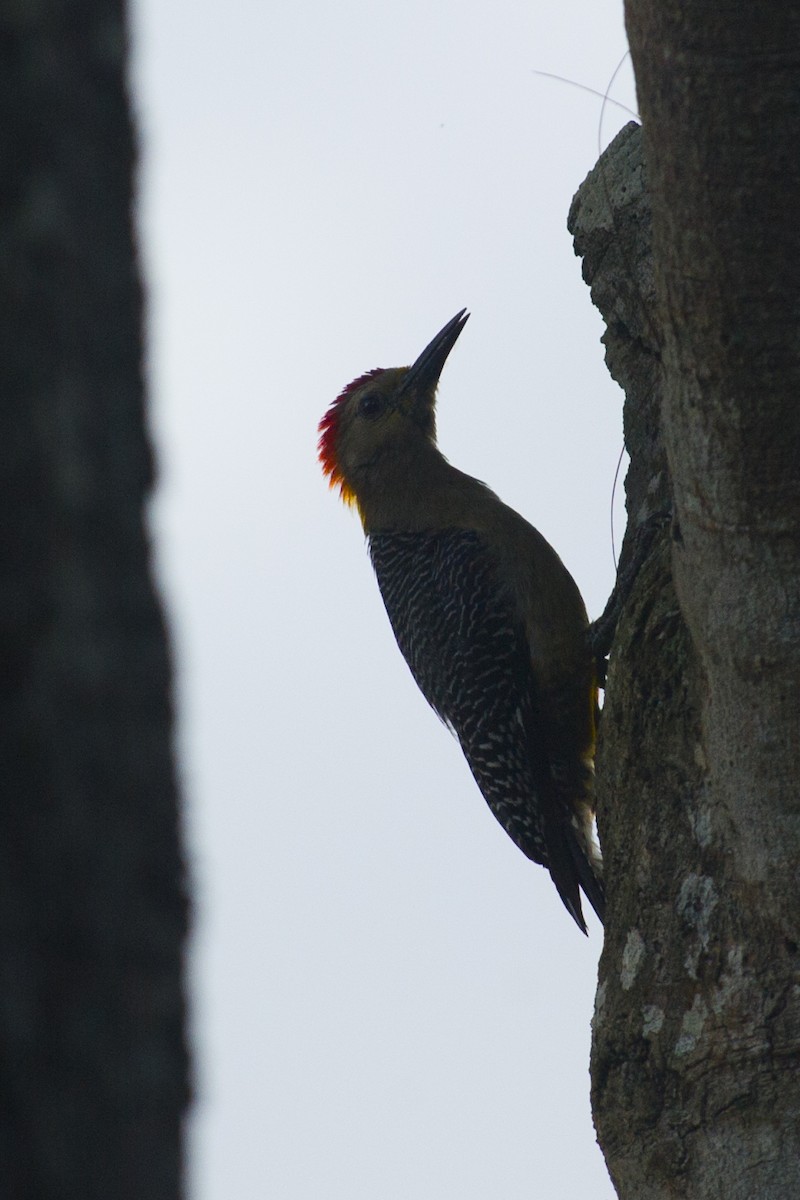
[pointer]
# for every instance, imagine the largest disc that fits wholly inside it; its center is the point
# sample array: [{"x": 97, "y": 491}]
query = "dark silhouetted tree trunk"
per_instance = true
[
  {"x": 696, "y": 1057},
  {"x": 92, "y": 908}
]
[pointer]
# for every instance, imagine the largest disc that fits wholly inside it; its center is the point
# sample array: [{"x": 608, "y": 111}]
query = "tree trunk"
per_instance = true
[
  {"x": 92, "y": 909},
  {"x": 696, "y": 1059}
]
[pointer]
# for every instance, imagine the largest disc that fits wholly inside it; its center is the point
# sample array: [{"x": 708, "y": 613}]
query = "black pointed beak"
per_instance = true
[{"x": 425, "y": 372}]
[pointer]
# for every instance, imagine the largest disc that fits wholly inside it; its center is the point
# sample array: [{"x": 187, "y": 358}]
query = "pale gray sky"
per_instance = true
[{"x": 390, "y": 1001}]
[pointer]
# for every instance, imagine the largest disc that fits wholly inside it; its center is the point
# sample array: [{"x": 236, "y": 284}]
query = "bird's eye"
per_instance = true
[{"x": 371, "y": 406}]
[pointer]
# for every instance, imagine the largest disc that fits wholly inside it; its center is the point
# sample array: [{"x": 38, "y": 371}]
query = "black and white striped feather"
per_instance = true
[{"x": 466, "y": 646}]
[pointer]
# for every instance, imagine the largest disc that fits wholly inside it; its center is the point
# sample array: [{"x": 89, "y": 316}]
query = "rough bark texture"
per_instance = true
[
  {"x": 92, "y": 910},
  {"x": 696, "y": 1059}
]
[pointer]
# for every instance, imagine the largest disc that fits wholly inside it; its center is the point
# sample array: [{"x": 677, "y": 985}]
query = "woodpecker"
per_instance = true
[{"x": 486, "y": 615}]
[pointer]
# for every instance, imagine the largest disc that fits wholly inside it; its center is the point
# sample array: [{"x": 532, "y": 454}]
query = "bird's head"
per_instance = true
[{"x": 381, "y": 414}]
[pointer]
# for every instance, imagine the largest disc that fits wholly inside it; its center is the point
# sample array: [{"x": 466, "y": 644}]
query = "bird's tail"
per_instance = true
[
  {"x": 589, "y": 869},
  {"x": 576, "y": 866}
]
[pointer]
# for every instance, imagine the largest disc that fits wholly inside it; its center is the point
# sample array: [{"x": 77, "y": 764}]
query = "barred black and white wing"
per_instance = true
[{"x": 466, "y": 646}]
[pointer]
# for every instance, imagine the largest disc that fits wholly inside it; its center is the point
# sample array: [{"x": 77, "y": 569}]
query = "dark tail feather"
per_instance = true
[
  {"x": 572, "y": 872},
  {"x": 592, "y": 886}
]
